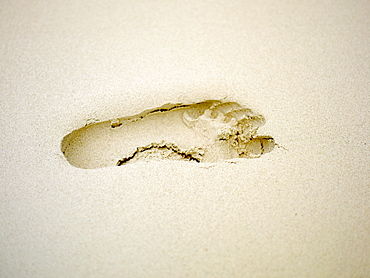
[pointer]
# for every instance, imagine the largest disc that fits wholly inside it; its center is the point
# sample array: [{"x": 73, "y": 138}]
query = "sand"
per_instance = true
[{"x": 302, "y": 211}]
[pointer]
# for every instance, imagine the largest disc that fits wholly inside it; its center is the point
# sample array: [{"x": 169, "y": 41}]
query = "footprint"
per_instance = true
[{"x": 208, "y": 131}]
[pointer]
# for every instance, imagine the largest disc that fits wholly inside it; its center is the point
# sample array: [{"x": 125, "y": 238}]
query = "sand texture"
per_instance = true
[{"x": 301, "y": 210}]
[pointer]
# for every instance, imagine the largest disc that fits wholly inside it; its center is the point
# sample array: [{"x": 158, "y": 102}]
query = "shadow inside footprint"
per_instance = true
[{"x": 208, "y": 131}]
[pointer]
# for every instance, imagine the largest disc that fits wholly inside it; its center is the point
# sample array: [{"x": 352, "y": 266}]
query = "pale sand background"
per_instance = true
[{"x": 299, "y": 213}]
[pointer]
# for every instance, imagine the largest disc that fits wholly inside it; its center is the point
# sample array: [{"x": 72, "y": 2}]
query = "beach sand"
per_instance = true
[{"x": 302, "y": 211}]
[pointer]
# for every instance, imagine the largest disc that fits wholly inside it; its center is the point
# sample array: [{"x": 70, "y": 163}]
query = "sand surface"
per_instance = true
[{"x": 300, "y": 212}]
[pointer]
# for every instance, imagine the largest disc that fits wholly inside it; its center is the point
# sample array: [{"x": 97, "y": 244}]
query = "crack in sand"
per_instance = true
[{"x": 189, "y": 155}]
